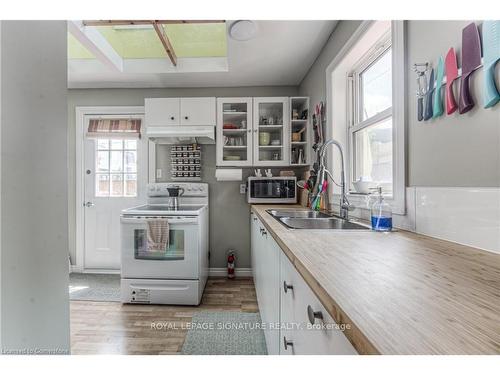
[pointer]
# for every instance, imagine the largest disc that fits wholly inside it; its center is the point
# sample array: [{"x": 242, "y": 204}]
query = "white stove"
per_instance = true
[
  {"x": 164, "y": 209},
  {"x": 178, "y": 273}
]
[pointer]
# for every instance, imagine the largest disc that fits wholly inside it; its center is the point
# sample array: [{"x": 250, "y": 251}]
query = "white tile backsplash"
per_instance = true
[{"x": 470, "y": 216}]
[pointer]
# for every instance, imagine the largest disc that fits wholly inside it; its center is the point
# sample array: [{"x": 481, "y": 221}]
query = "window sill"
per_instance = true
[{"x": 364, "y": 202}]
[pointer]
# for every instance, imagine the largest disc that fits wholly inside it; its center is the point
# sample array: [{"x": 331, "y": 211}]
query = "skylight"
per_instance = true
[{"x": 142, "y": 42}]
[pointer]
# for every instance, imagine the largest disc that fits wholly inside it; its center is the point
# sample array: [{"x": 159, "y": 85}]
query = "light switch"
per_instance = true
[
  {"x": 243, "y": 188},
  {"x": 158, "y": 173}
]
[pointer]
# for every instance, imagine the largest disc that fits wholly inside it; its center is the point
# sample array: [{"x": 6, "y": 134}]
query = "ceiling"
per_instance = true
[{"x": 280, "y": 54}]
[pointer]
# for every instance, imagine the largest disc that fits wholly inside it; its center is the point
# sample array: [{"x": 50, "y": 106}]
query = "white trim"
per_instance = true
[
  {"x": 212, "y": 272},
  {"x": 151, "y": 162},
  {"x": 80, "y": 113},
  {"x": 97, "y": 44},
  {"x": 399, "y": 114},
  {"x": 241, "y": 272},
  {"x": 155, "y": 66},
  {"x": 96, "y": 271},
  {"x": 398, "y": 31}
]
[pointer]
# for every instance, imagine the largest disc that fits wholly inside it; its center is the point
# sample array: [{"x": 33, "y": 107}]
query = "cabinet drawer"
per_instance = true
[{"x": 322, "y": 337}]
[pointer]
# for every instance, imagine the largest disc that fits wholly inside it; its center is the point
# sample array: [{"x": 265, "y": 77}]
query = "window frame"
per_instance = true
[
  {"x": 399, "y": 105},
  {"x": 110, "y": 173},
  {"x": 355, "y": 107}
]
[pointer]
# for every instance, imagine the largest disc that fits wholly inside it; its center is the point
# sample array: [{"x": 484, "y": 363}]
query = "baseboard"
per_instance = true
[
  {"x": 217, "y": 272},
  {"x": 94, "y": 270},
  {"x": 242, "y": 272},
  {"x": 75, "y": 269}
]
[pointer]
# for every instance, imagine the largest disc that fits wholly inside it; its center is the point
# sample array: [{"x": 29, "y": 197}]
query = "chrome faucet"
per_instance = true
[{"x": 323, "y": 173}]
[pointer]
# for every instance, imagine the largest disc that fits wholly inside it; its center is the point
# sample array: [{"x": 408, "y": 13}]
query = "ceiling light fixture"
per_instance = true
[{"x": 242, "y": 30}]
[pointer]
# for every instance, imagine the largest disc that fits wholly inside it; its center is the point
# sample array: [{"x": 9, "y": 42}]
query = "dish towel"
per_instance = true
[{"x": 158, "y": 234}]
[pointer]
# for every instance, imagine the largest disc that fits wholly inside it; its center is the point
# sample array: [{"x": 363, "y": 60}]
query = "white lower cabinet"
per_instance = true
[
  {"x": 265, "y": 268},
  {"x": 307, "y": 328},
  {"x": 288, "y": 306}
]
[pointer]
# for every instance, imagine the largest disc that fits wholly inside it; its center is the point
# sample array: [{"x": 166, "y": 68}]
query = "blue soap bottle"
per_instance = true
[{"x": 381, "y": 214}]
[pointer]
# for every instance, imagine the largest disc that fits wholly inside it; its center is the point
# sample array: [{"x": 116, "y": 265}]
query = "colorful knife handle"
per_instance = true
[
  {"x": 465, "y": 103},
  {"x": 451, "y": 104},
  {"x": 491, "y": 95},
  {"x": 437, "y": 108}
]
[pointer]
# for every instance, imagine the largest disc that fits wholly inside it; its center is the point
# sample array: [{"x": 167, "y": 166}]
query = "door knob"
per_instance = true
[
  {"x": 287, "y": 286},
  {"x": 313, "y": 315},
  {"x": 88, "y": 204},
  {"x": 287, "y": 343}
]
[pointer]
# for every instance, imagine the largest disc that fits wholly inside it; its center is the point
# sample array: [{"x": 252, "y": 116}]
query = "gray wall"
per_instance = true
[
  {"x": 229, "y": 212},
  {"x": 34, "y": 238},
  {"x": 457, "y": 150}
]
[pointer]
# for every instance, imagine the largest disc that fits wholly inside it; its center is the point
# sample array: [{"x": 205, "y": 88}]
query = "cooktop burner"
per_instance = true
[{"x": 163, "y": 209}]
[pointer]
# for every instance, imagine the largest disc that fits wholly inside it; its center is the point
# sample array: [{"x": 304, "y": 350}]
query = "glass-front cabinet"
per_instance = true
[
  {"x": 271, "y": 131},
  {"x": 234, "y": 132}
]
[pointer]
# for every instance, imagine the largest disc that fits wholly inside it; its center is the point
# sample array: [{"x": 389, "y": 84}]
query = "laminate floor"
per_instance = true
[{"x": 113, "y": 328}]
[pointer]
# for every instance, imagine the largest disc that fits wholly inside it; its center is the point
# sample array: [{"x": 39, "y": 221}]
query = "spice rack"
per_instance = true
[{"x": 186, "y": 162}]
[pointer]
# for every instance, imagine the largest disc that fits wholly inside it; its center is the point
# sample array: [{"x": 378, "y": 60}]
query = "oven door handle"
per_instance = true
[{"x": 142, "y": 220}]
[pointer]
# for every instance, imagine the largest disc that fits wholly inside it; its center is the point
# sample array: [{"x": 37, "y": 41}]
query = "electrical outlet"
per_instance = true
[
  {"x": 158, "y": 173},
  {"x": 243, "y": 188}
]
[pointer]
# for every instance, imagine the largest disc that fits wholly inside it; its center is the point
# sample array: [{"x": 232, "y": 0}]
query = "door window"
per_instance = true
[
  {"x": 173, "y": 251},
  {"x": 116, "y": 168}
]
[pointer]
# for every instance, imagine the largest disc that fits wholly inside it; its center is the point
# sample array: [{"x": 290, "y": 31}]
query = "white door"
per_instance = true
[
  {"x": 178, "y": 261},
  {"x": 115, "y": 178},
  {"x": 198, "y": 111},
  {"x": 162, "y": 111},
  {"x": 234, "y": 132},
  {"x": 271, "y": 131}
]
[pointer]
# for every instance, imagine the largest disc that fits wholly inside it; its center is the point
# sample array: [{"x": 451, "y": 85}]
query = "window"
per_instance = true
[
  {"x": 116, "y": 167},
  {"x": 367, "y": 111},
  {"x": 371, "y": 131}
]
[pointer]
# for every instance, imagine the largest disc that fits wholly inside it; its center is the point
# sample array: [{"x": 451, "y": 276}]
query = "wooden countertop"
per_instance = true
[{"x": 402, "y": 293}]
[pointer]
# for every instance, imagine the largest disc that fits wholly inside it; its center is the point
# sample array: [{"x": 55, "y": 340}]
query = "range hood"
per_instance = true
[{"x": 204, "y": 134}]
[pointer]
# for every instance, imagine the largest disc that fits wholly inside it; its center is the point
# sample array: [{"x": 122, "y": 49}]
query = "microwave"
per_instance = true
[{"x": 272, "y": 190}]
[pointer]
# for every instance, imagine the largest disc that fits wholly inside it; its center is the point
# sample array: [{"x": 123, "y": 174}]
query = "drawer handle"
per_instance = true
[
  {"x": 286, "y": 287},
  {"x": 287, "y": 343},
  {"x": 185, "y": 117},
  {"x": 172, "y": 118},
  {"x": 313, "y": 315}
]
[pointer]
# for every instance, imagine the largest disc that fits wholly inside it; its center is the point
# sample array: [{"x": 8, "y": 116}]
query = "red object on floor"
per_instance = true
[{"x": 230, "y": 265}]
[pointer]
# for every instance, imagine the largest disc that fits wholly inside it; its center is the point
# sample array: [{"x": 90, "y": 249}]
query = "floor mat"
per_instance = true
[
  {"x": 94, "y": 287},
  {"x": 225, "y": 333}
]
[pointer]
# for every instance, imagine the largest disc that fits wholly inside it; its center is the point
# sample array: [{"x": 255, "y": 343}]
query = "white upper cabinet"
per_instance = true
[
  {"x": 197, "y": 111},
  {"x": 234, "y": 132},
  {"x": 162, "y": 111}
]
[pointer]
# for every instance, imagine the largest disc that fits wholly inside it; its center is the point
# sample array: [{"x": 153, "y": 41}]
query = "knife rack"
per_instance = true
[{"x": 444, "y": 78}]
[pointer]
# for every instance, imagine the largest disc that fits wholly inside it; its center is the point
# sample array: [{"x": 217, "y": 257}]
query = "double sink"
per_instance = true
[{"x": 309, "y": 219}]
